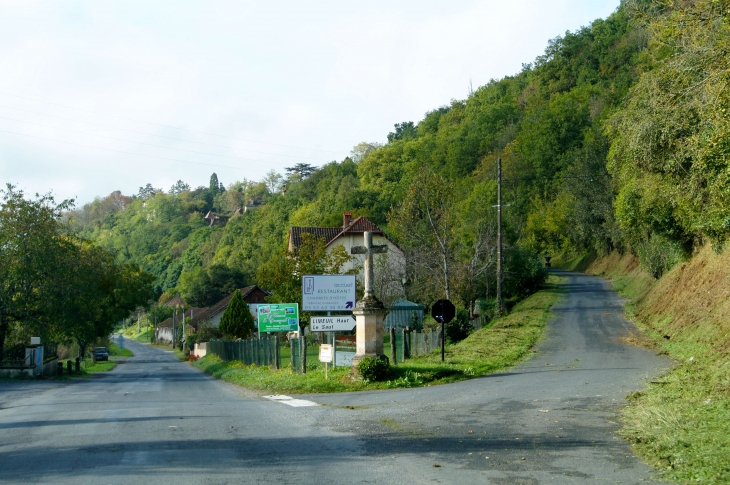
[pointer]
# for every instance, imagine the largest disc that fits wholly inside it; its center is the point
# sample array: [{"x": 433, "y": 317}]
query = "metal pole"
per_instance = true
[
  {"x": 443, "y": 340},
  {"x": 393, "y": 347},
  {"x": 499, "y": 302}
]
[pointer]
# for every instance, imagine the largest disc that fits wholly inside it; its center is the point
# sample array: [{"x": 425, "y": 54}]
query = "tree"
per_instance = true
[
  {"x": 97, "y": 293},
  {"x": 215, "y": 186},
  {"x": 179, "y": 187},
  {"x": 425, "y": 223},
  {"x": 237, "y": 321},
  {"x": 303, "y": 170},
  {"x": 32, "y": 254},
  {"x": 273, "y": 181},
  {"x": 147, "y": 192},
  {"x": 205, "y": 286},
  {"x": 282, "y": 273},
  {"x": 403, "y": 131},
  {"x": 362, "y": 150}
]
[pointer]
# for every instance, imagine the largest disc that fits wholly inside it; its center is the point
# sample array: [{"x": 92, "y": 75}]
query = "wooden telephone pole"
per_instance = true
[{"x": 499, "y": 303}]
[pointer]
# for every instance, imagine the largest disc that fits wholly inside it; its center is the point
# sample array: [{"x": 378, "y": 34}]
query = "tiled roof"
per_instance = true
[
  {"x": 188, "y": 312},
  {"x": 331, "y": 234},
  {"x": 175, "y": 301},
  {"x": 213, "y": 310},
  {"x": 326, "y": 233},
  {"x": 357, "y": 226}
]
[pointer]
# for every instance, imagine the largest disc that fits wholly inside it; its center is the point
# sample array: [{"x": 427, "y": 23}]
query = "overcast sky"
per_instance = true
[{"x": 103, "y": 96}]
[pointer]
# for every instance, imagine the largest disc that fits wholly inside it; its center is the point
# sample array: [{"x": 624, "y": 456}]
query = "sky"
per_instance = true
[{"x": 104, "y": 96}]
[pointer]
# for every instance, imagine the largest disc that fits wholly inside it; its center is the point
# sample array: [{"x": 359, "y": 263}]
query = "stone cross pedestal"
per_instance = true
[{"x": 369, "y": 312}]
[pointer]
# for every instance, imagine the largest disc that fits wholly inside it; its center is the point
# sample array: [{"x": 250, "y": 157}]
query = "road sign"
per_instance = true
[
  {"x": 345, "y": 349},
  {"x": 443, "y": 311},
  {"x": 331, "y": 324},
  {"x": 325, "y": 353},
  {"x": 279, "y": 317},
  {"x": 328, "y": 293}
]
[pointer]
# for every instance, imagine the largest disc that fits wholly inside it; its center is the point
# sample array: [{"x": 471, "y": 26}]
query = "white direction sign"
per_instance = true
[
  {"x": 331, "y": 324},
  {"x": 325, "y": 293}
]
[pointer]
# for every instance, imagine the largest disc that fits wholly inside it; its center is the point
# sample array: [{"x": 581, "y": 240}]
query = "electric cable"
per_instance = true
[
  {"x": 163, "y": 125},
  {"x": 130, "y": 141},
  {"x": 131, "y": 153},
  {"x": 144, "y": 133}
]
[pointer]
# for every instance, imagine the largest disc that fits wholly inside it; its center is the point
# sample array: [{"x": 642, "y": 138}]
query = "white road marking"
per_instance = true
[{"x": 290, "y": 401}]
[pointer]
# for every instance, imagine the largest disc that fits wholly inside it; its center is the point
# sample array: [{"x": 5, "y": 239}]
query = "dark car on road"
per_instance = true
[{"x": 101, "y": 353}]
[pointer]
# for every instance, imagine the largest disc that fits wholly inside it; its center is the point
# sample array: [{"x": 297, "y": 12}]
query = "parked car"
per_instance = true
[{"x": 101, "y": 353}]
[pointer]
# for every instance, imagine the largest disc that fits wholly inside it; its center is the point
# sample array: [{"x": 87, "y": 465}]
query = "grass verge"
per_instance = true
[
  {"x": 178, "y": 353},
  {"x": 144, "y": 336},
  {"x": 680, "y": 423},
  {"x": 488, "y": 350}
]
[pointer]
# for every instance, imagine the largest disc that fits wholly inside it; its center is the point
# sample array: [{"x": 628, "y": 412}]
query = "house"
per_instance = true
[
  {"x": 253, "y": 295},
  {"x": 390, "y": 268},
  {"x": 163, "y": 332}
]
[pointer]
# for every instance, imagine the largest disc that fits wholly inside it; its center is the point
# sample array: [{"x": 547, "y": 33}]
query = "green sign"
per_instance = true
[{"x": 279, "y": 317}]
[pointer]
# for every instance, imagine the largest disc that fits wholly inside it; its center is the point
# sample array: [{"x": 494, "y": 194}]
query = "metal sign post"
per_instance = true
[{"x": 443, "y": 311}]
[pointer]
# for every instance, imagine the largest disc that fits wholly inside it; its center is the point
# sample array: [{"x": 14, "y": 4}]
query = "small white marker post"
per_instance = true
[{"x": 325, "y": 355}]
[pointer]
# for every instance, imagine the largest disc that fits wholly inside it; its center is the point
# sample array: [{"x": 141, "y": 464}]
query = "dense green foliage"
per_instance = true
[
  {"x": 373, "y": 369},
  {"x": 237, "y": 321},
  {"x": 54, "y": 285},
  {"x": 615, "y": 138}
]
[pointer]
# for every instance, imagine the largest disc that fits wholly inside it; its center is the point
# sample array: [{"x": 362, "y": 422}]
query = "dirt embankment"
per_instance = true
[
  {"x": 680, "y": 424},
  {"x": 691, "y": 303}
]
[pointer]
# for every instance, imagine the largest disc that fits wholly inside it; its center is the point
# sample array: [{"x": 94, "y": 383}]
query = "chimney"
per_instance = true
[{"x": 346, "y": 218}]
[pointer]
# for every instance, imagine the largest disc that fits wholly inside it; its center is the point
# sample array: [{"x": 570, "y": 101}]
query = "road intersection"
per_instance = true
[{"x": 551, "y": 419}]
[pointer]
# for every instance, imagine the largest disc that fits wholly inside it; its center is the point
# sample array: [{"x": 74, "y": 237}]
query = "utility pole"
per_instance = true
[{"x": 499, "y": 302}]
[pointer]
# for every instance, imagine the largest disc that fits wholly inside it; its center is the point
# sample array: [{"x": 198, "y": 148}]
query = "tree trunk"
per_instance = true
[{"x": 3, "y": 331}]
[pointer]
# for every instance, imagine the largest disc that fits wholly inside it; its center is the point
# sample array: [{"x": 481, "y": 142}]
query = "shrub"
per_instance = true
[
  {"x": 460, "y": 327},
  {"x": 373, "y": 368},
  {"x": 524, "y": 273},
  {"x": 237, "y": 321}
]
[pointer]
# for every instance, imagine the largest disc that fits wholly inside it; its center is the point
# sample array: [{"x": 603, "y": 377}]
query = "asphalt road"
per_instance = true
[{"x": 551, "y": 419}]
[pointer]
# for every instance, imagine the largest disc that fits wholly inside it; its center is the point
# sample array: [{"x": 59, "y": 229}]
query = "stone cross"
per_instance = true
[{"x": 368, "y": 250}]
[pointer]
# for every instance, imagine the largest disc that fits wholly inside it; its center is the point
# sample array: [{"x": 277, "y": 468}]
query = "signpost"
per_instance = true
[
  {"x": 325, "y": 355},
  {"x": 345, "y": 350},
  {"x": 443, "y": 311},
  {"x": 325, "y": 293},
  {"x": 279, "y": 317},
  {"x": 332, "y": 324}
]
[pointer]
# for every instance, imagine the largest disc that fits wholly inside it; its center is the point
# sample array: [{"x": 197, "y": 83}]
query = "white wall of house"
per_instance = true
[
  {"x": 215, "y": 320},
  {"x": 390, "y": 268}
]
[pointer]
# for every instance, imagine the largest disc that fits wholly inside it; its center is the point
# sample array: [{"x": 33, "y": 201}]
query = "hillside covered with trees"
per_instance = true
[{"x": 614, "y": 139}]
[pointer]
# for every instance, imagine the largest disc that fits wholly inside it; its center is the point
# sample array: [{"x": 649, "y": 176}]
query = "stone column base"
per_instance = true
[{"x": 370, "y": 316}]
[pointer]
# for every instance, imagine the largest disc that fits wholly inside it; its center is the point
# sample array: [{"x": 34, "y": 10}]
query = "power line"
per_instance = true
[
  {"x": 131, "y": 153},
  {"x": 131, "y": 141},
  {"x": 144, "y": 133},
  {"x": 162, "y": 125}
]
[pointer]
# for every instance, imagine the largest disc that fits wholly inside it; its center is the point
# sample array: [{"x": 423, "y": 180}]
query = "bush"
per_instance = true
[
  {"x": 373, "y": 368},
  {"x": 237, "y": 321},
  {"x": 524, "y": 273},
  {"x": 460, "y": 327}
]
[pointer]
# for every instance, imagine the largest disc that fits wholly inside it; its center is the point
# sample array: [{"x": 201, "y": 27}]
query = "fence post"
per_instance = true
[
  {"x": 303, "y": 353},
  {"x": 291, "y": 352},
  {"x": 393, "y": 348},
  {"x": 277, "y": 364}
]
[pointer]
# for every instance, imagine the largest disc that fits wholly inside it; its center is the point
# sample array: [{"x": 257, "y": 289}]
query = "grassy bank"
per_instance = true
[
  {"x": 144, "y": 335},
  {"x": 680, "y": 424},
  {"x": 87, "y": 368},
  {"x": 485, "y": 351}
]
